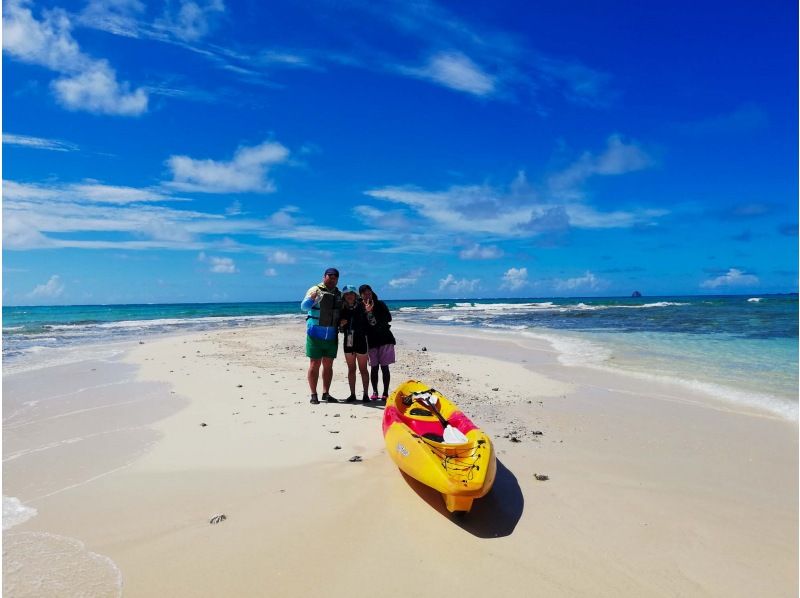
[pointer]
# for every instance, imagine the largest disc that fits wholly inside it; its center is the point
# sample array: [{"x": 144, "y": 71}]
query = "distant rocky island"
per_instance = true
[{"x": 636, "y": 294}]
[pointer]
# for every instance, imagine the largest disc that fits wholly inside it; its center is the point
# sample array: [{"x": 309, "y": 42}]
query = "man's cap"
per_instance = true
[
  {"x": 331, "y": 271},
  {"x": 348, "y": 288}
]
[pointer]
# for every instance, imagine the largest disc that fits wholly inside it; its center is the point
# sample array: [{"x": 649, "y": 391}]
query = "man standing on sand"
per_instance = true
[{"x": 322, "y": 302}]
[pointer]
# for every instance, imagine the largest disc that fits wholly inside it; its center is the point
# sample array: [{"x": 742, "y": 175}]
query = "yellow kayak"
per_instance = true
[{"x": 431, "y": 440}]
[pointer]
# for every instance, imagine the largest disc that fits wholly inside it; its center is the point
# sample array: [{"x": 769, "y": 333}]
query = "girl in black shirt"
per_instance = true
[
  {"x": 380, "y": 340},
  {"x": 353, "y": 324}
]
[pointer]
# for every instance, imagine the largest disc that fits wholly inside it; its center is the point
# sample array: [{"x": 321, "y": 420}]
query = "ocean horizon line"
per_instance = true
[{"x": 447, "y": 299}]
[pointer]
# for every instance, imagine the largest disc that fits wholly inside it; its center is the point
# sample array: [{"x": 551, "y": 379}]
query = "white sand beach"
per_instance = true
[{"x": 652, "y": 491}]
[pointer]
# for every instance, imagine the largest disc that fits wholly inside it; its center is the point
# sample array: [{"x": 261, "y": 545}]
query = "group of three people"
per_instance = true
[{"x": 364, "y": 321}]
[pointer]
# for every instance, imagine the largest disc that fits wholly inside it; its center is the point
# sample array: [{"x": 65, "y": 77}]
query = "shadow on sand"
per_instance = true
[{"x": 493, "y": 516}]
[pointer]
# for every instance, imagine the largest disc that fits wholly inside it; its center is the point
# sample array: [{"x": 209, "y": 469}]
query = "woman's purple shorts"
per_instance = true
[{"x": 383, "y": 355}]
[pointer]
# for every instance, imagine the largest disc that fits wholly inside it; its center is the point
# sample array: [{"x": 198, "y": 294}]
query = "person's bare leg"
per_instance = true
[
  {"x": 374, "y": 378},
  {"x": 350, "y": 358},
  {"x": 386, "y": 378},
  {"x": 313, "y": 375},
  {"x": 327, "y": 374},
  {"x": 362, "y": 368}
]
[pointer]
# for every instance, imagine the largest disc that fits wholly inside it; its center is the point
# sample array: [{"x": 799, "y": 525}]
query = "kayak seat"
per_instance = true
[
  {"x": 422, "y": 412},
  {"x": 426, "y": 426},
  {"x": 434, "y": 437}
]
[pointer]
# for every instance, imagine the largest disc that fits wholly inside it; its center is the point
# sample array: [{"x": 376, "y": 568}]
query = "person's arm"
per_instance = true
[
  {"x": 388, "y": 317},
  {"x": 310, "y": 299}
]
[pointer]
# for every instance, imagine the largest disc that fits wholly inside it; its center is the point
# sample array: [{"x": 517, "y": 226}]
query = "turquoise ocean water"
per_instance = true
[{"x": 742, "y": 349}]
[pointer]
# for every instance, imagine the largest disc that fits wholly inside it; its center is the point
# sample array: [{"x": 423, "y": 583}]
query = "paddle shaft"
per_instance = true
[{"x": 430, "y": 406}]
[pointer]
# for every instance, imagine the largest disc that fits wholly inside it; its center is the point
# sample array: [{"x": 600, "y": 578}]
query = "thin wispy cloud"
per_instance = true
[
  {"x": 372, "y": 216},
  {"x": 120, "y": 17},
  {"x": 619, "y": 157},
  {"x": 744, "y": 118},
  {"x": 486, "y": 62},
  {"x": 246, "y": 172},
  {"x": 408, "y": 279},
  {"x": 518, "y": 210},
  {"x": 451, "y": 52},
  {"x": 734, "y": 277},
  {"x": 55, "y": 145},
  {"x": 85, "y": 83},
  {"x": 92, "y": 215},
  {"x": 587, "y": 282},
  {"x": 179, "y": 21},
  {"x": 281, "y": 257},
  {"x": 480, "y": 252},
  {"x": 188, "y": 20},
  {"x": 88, "y": 192},
  {"x": 456, "y": 71}
]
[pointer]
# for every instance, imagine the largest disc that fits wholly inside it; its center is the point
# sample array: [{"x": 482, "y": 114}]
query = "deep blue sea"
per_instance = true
[{"x": 738, "y": 348}]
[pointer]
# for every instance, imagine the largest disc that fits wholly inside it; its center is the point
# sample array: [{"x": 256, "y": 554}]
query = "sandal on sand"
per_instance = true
[
  {"x": 350, "y": 399},
  {"x": 314, "y": 400},
  {"x": 384, "y": 397},
  {"x": 328, "y": 398},
  {"x": 374, "y": 397},
  {"x": 365, "y": 398}
]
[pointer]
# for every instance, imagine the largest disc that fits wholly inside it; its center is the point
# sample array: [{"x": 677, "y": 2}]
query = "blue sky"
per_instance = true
[{"x": 215, "y": 150}]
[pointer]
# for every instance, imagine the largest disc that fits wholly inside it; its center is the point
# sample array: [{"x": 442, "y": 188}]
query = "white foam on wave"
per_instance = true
[
  {"x": 541, "y": 306},
  {"x": 754, "y": 300},
  {"x": 44, "y": 564},
  {"x": 14, "y": 512},
  {"x": 658, "y": 304},
  {"x": 585, "y": 307},
  {"x": 573, "y": 351},
  {"x": 579, "y": 352},
  {"x": 45, "y": 357},
  {"x": 506, "y": 326},
  {"x": 162, "y": 322}
]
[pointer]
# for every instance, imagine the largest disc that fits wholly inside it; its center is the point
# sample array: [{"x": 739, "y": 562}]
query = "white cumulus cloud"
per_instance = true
[
  {"x": 221, "y": 265},
  {"x": 732, "y": 278},
  {"x": 86, "y": 83},
  {"x": 515, "y": 279},
  {"x": 246, "y": 172},
  {"x": 50, "y": 290},
  {"x": 96, "y": 89},
  {"x": 452, "y": 284},
  {"x": 270, "y": 272}
]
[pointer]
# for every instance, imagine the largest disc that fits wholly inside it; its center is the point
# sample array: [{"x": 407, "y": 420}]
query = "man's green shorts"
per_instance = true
[{"x": 315, "y": 348}]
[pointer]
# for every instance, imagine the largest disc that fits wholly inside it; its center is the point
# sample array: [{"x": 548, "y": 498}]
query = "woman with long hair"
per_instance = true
[{"x": 380, "y": 340}]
